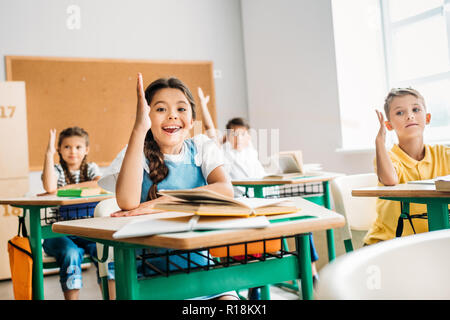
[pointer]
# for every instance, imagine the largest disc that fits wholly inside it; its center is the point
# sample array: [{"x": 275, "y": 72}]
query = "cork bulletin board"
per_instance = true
[{"x": 98, "y": 95}]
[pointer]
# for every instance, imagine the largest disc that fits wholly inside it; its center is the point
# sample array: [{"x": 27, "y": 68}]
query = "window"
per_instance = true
[
  {"x": 381, "y": 44},
  {"x": 417, "y": 51}
]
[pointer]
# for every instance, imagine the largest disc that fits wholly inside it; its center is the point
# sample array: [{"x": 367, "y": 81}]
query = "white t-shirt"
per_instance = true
[
  {"x": 242, "y": 164},
  {"x": 208, "y": 157}
]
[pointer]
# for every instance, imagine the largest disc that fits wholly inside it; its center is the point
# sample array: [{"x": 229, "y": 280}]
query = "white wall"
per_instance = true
[
  {"x": 137, "y": 29},
  {"x": 292, "y": 81}
]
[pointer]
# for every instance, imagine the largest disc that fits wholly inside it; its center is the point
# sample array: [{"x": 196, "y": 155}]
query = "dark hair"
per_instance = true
[
  {"x": 400, "y": 92},
  {"x": 70, "y": 132},
  {"x": 158, "y": 169},
  {"x": 237, "y": 122}
]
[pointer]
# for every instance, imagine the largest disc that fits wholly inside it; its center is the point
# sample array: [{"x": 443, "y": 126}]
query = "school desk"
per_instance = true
[
  {"x": 229, "y": 275},
  {"x": 37, "y": 232},
  {"x": 321, "y": 197},
  {"x": 436, "y": 201}
]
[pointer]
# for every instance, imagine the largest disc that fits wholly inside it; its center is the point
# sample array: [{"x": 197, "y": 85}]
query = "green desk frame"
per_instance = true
[
  {"x": 199, "y": 283},
  {"x": 323, "y": 200},
  {"x": 437, "y": 210},
  {"x": 36, "y": 234}
]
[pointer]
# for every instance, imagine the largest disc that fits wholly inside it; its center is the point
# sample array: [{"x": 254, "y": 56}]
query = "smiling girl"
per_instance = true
[
  {"x": 160, "y": 155},
  {"x": 165, "y": 115}
]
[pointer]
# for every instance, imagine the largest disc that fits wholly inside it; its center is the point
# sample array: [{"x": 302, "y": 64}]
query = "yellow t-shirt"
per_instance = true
[{"x": 435, "y": 163}]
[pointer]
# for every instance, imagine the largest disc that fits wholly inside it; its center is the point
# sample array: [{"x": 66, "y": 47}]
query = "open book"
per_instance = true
[
  {"x": 290, "y": 165},
  {"x": 207, "y": 202},
  {"x": 81, "y": 192},
  {"x": 141, "y": 228}
]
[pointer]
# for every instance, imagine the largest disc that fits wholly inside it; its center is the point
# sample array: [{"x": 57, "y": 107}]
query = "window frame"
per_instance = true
[{"x": 388, "y": 29}]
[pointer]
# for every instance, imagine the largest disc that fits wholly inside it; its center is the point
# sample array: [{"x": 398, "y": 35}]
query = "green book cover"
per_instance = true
[{"x": 79, "y": 192}]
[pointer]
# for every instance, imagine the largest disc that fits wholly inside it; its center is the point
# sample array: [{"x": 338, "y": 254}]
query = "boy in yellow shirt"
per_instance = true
[{"x": 408, "y": 160}]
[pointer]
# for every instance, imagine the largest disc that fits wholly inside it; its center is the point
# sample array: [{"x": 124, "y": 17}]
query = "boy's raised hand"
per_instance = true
[
  {"x": 381, "y": 136},
  {"x": 143, "y": 109},
  {"x": 51, "y": 150}
]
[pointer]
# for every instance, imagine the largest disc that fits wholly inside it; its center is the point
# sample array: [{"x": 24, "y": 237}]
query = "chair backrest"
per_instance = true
[
  {"x": 411, "y": 267},
  {"x": 360, "y": 212}
]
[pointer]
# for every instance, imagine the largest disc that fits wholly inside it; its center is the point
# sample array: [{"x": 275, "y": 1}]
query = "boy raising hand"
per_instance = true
[{"x": 408, "y": 160}]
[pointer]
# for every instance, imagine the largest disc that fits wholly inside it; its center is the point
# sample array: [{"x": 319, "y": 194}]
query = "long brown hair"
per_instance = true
[
  {"x": 158, "y": 169},
  {"x": 70, "y": 132}
]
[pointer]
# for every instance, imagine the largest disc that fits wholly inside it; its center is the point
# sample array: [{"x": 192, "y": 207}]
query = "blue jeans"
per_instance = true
[{"x": 68, "y": 252}]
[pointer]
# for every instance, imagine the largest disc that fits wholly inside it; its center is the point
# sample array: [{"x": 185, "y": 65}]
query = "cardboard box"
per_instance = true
[
  {"x": 13, "y": 130},
  {"x": 8, "y": 219}
]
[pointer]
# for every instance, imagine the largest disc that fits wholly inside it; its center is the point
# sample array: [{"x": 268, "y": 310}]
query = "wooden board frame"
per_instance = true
[{"x": 98, "y": 95}]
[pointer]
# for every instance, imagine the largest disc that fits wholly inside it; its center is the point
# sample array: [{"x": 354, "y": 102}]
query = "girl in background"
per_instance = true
[{"x": 72, "y": 171}]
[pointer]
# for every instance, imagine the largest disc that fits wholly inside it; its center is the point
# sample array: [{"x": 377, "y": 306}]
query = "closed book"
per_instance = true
[
  {"x": 443, "y": 183},
  {"x": 80, "y": 192},
  {"x": 207, "y": 202}
]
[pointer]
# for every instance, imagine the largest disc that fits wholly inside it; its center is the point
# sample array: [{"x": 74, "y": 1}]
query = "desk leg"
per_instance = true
[
  {"x": 304, "y": 260},
  {"x": 36, "y": 249},
  {"x": 437, "y": 216},
  {"x": 125, "y": 273},
  {"x": 258, "y": 191},
  {"x": 330, "y": 233}
]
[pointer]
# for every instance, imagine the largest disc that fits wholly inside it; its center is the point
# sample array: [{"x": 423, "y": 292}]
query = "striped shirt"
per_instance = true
[{"x": 92, "y": 172}]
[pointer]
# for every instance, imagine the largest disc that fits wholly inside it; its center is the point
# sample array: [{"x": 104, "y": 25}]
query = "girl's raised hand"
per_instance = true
[
  {"x": 381, "y": 136},
  {"x": 143, "y": 109},
  {"x": 203, "y": 100},
  {"x": 51, "y": 150}
]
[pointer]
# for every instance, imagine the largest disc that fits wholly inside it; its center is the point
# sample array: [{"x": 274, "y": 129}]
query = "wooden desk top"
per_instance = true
[
  {"x": 52, "y": 200},
  {"x": 315, "y": 177},
  {"x": 407, "y": 190},
  {"x": 104, "y": 227}
]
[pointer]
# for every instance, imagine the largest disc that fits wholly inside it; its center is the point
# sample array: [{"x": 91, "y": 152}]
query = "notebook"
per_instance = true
[
  {"x": 290, "y": 165},
  {"x": 207, "y": 202},
  {"x": 150, "y": 227}
]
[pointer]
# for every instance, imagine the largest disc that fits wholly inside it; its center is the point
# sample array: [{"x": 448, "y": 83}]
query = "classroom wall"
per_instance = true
[
  {"x": 292, "y": 80},
  {"x": 292, "y": 85},
  {"x": 140, "y": 29}
]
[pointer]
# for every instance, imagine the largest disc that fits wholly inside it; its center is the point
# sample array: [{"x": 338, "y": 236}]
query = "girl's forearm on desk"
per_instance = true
[
  {"x": 128, "y": 188},
  {"x": 93, "y": 183},
  {"x": 224, "y": 188},
  {"x": 219, "y": 182}
]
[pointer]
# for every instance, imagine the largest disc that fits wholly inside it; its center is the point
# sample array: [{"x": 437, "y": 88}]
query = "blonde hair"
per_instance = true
[{"x": 400, "y": 92}]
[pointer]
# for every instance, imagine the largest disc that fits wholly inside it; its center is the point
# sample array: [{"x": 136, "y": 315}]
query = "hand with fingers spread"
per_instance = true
[
  {"x": 385, "y": 169},
  {"x": 381, "y": 136},
  {"x": 203, "y": 100},
  {"x": 208, "y": 123},
  {"x": 143, "y": 109}
]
